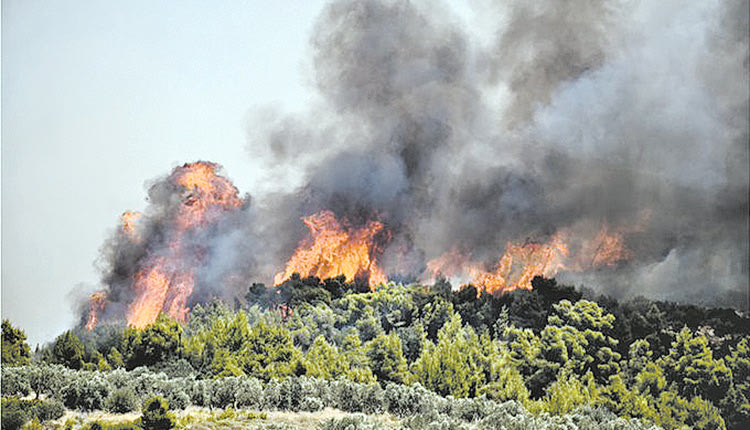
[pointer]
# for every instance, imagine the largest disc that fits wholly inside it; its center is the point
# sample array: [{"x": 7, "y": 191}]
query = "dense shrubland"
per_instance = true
[{"x": 552, "y": 357}]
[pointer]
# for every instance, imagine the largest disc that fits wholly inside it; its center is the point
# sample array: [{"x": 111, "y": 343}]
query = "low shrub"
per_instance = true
[
  {"x": 47, "y": 410},
  {"x": 15, "y": 381},
  {"x": 354, "y": 422},
  {"x": 121, "y": 401},
  {"x": 14, "y": 415},
  {"x": 17, "y": 412},
  {"x": 87, "y": 392},
  {"x": 155, "y": 415}
]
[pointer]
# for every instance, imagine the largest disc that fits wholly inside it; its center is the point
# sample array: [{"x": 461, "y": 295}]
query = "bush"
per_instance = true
[
  {"x": 33, "y": 425},
  {"x": 121, "y": 401},
  {"x": 48, "y": 379},
  {"x": 356, "y": 422},
  {"x": 173, "y": 392},
  {"x": 249, "y": 393},
  {"x": 199, "y": 392},
  {"x": 15, "y": 381},
  {"x": 353, "y": 397},
  {"x": 47, "y": 410},
  {"x": 292, "y": 392},
  {"x": 222, "y": 392},
  {"x": 16, "y": 412},
  {"x": 405, "y": 401},
  {"x": 471, "y": 409},
  {"x": 87, "y": 392},
  {"x": 96, "y": 425},
  {"x": 155, "y": 415},
  {"x": 14, "y": 415}
]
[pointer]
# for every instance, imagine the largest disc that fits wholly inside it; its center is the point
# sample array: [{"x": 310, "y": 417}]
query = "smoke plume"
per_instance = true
[{"x": 631, "y": 115}]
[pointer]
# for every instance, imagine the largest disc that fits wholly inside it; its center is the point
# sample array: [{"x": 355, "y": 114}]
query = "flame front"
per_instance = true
[
  {"x": 97, "y": 304},
  {"x": 165, "y": 282},
  {"x": 520, "y": 263},
  {"x": 332, "y": 250},
  {"x": 164, "y": 278}
]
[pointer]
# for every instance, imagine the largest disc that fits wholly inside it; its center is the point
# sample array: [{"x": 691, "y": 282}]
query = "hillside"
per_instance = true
[{"x": 415, "y": 356}]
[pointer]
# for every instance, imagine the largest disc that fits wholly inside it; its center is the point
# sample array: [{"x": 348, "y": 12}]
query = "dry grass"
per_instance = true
[{"x": 198, "y": 418}]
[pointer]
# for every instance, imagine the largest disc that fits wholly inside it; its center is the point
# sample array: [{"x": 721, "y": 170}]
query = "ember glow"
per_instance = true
[
  {"x": 333, "y": 250},
  {"x": 520, "y": 263}
]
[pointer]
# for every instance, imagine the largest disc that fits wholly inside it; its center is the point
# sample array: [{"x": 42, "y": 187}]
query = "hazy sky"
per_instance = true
[{"x": 100, "y": 97}]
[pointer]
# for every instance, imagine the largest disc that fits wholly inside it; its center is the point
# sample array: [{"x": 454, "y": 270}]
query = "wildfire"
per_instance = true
[
  {"x": 151, "y": 285},
  {"x": 97, "y": 303},
  {"x": 130, "y": 225},
  {"x": 165, "y": 277},
  {"x": 520, "y": 263},
  {"x": 333, "y": 250},
  {"x": 206, "y": 195},
  {"x": 165, "y": 283}
]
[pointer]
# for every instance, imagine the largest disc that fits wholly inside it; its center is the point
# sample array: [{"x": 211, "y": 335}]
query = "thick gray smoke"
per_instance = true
[
  {"x": 575, "y": 115},
  {"x": 578, "y": 114}
]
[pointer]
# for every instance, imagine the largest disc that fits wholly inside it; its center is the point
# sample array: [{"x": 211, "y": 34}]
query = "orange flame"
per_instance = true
[
  {"x": 520, "y": 263},
  {"x": 151, "y": 285},
  {"x": 130, "y": 225},
  {"x": 515, "y": 269},
  {"x": 604, "y": 249},
  {"x": 97, "y": 303},
  {"x": 332, "y": 250},
  {"x": 165, "y": 282}
]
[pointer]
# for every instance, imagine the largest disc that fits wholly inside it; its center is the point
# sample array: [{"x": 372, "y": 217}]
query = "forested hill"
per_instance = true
[{"x": 552, "y": 351}]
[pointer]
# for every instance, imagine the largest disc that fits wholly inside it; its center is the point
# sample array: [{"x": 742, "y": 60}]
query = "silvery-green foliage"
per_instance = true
[
  {"x": 47, "y": 379},
  {"x": 249, "y": 393},
  {"x": 223, "y": 391},
  {"x": 120, "y": 378},
  {"x": 434, "y": 421},
  {"x": 173, "y": 391},
  {"x": 406, "y": 400},
  {"x": 290, "y": 393},
  {"x": 199, "y": 392},
  {"x": 15, "y": 381},
  {"x": 353, "y": 397},
  {"x": 311, "y": 404},
  {"x": 121, "y": 400},
  {"x": 471, "y": 409},
  {"x": 353, "y": 422},
  {"x": 87, "y": 392}
]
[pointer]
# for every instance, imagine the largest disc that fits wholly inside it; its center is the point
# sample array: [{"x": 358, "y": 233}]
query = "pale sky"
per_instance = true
[{"x": 100, "y": 97}]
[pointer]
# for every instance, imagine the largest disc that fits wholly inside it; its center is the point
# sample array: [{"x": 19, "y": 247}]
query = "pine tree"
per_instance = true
[{"x": 15, "y": 350}]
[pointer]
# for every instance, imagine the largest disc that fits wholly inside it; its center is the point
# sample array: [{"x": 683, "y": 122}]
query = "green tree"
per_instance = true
[
  {"x": 508, "y": 385},
  {"x": 524, "y": 351},
  {"x": 325, "y": 361},
  {"x": 449, "y": 367},
  {"x": 156, "y": 343},
  {"x": 68, "y": 351},
  {"x": 15, "y": 350},
  {"x": 387, "y": 359},
  {"x": 270, "y": 353},
  {"x": 690, "y": 366},
  {"x": 577, "y": 335},
  {"x": 736, "y": 404},
  {"x": 356, "y": 356},
  {"x": 115, "y": 359}
]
